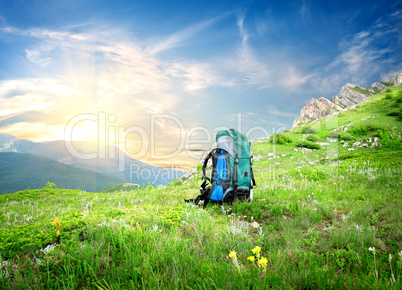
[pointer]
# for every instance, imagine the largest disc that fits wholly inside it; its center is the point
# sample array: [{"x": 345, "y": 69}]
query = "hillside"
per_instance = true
[
  {"x": 27, "y": 171},
  {"x": 132, "y": 170},
  {"x": 326, "y": 215},
  {"x": 349, "y": 96},
  {"x": 121, "y": 187}
]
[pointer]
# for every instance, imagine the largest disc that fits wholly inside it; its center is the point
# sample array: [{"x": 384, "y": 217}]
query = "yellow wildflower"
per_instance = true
[
  {"x": 232, "y": 255},
  {"x": 58, "y": 233},
  {"x": 256, "y": 250},
  {"x": 56, "y": 222},
  {"x": 262, "y": 262},
  {"x": 251, "y": 258}
]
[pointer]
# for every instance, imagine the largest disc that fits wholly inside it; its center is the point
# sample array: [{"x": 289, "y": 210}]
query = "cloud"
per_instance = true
[
  {"x": 102, "y": 71},
  {"x": 363, "y": 55},
  {"x": 179, "y": 37},
  {"x": 304, "y": 10},
  {"x": 195, "y": 75},
  {"x": 35, "y": 131},
  {"x": 357, "y": 53},
  {"x": 35, "y": 56},
  {"x": 275, "y": 112},
  {"x": 252, "y": 70},
  {"x": 264, "y": 70}
]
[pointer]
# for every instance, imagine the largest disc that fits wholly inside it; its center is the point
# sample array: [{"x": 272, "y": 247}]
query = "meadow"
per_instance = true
[{"x": 326, "y": 213}]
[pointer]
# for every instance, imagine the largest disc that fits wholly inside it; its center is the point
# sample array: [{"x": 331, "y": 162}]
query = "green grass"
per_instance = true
[
  {"x": 365, "y": 92},
  {"x": 121, "y": 187},
  {"x": 317, "y": 212}
]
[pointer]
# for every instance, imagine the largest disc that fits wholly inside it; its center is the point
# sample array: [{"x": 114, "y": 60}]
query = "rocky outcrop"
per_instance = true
[
  {"x": 396, "y": 80},
  {"x": 300, "y": 122},
  {"x": 318, "y": 108},
  {"x": 350, "y": 95},
  {"x": 378, "y": 86},
  {"x": 315, "y": 109},
  {"x": 342, "y": 102}
]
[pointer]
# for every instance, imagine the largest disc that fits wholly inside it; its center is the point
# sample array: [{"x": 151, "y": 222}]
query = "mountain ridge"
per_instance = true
[
  {"x": 21, "y": 171},
  {"x": 349, "y": 96},
  {"x": 122, "y": 166}
]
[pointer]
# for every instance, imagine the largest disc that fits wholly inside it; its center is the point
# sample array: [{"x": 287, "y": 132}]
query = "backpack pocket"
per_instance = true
[{"x": 221, "y": 175}]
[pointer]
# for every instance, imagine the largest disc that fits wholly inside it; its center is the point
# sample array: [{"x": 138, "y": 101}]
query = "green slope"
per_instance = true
[
  {"x": 316, "y": 216},
  {"x": 121, "y": 187},
  {"x": 26, "y": 171}
]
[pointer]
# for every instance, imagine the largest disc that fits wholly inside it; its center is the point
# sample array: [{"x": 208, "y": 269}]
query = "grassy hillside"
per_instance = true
[
  {"x": 121, "y": 187},
  {"x": 27, "y": 171},
  {"x": 326, "y": 218}
]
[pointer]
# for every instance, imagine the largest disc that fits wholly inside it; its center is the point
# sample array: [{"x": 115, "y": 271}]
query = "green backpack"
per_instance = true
[{"x": 232, "y": 175}]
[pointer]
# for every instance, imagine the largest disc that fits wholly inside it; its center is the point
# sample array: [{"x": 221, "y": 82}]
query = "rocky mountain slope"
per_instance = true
[{"x": 349, "y": 95}]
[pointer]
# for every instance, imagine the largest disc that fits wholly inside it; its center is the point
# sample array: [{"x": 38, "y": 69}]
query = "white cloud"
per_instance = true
[
  {"x": 35, "y": 56},
  {"x": 35, "y": 131},
  {"x": 179, "y": 37},
  {"x": 252, "y": 70},
  {"x": 363, "y": 55},
  {"x": 195, "y": 75},
  {"x": 275, "y": 112}
]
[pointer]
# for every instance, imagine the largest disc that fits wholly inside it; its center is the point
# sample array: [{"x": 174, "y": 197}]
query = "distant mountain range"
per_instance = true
[
  {"x": 130, "y": 171},
  {"x": 27, "y": 171},
  {"x": 349, "y": 96}
]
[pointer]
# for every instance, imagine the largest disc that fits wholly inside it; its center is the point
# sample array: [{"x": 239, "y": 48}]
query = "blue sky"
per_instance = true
[{"x": 182, "y": 69}]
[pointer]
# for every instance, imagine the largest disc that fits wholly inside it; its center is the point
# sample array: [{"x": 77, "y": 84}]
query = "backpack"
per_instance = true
[{"x": 232, "y": 175}]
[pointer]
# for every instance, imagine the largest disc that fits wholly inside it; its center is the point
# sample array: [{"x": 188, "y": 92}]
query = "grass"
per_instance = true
[{"x": 315, "y": 215}]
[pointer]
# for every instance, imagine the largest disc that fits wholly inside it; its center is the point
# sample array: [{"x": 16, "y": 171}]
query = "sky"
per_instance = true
[{"x": 160, "y": 78}]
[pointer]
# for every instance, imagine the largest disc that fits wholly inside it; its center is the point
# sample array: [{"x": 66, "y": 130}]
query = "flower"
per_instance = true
[
  {"x": 400, "y": 254},
  {"x": 371, "y": 249},
  {"x": 58, "y": 233},
  {"x": 56, "y": 222},
  {"x": 256, "y": 250},
  {"x": 251, "y": 258},
  {"x": 390, "y": 258},
  {"x": 262, "y": 262},
  {"x": 232, "y": 255}
]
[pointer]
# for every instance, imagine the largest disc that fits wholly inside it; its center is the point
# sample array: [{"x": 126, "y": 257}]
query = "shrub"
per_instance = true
[
  {"x": 363, "y": 130},
  {"x": 395, "y": 112},
  {"x": 346, "y": 136},
  {"x": 307, "y": 144},
  {"x": 307, "y": 130},
  {"x": 399, "y": 97},
  {"x": 279, "y": 138},
  {"x": 388, "y": 96},
  {"x": 333, "y": 135},
  {"x": 312, "y": 138}
]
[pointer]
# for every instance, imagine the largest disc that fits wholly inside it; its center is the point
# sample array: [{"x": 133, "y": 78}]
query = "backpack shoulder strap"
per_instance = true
[
  {"x": 204, "y": 167},
  {"x": 252, "y": 173}
]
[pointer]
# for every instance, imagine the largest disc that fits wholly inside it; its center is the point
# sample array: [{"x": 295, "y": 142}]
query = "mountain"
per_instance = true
[
  {"x": 349, "y": 96},
  {"x": 27, "y": 171},
  {"x": 121, "y": 166}
]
